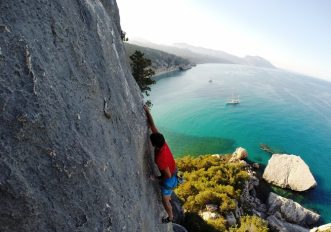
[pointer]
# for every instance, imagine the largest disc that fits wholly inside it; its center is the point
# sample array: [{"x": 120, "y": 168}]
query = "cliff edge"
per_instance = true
[{"x": 74, "y": 152}]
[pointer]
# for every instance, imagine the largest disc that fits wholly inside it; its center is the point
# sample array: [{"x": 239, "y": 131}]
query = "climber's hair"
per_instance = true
[{"x": 157, "y": 140}]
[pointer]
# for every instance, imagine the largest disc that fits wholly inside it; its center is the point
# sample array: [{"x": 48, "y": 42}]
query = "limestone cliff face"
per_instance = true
[{"x": 74, "y": 154}]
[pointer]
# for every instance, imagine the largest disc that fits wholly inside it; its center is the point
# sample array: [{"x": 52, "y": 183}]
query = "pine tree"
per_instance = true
[
  {"x": 141, "y": 71},
  {"x": 123, "y": 36}
]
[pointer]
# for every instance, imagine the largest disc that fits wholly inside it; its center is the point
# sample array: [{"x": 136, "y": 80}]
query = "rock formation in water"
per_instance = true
[
  {"x": 282, "y": 214},
  {"x": 289, "y": 171},
  {"x": 323, "y": 228},
  {"x": 291, "y": 211},
  {"x": 278, "y": 225},
  {"x": 74, "y": 152},
  {"x": 239, "y": 154}
]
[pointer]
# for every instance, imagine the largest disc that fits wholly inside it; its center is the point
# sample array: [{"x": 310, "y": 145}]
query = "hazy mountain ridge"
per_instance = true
[
  {"x": 161, "y": 61},
  {"x": 202, "y": 55},
  {"x": 258, "y": 61}
]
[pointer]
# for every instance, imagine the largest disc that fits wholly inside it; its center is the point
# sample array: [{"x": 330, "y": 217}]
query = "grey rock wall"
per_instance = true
[{"x": 74, "y": 154}]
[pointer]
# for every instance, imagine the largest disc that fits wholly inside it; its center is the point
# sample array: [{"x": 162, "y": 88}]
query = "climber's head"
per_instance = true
[{"x": 157, "y": 140}]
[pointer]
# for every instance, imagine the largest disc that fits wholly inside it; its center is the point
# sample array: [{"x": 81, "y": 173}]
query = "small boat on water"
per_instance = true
[{"x": 233, "y": 100}]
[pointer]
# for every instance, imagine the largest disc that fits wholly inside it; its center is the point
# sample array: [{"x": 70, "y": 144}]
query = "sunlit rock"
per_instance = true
[{"x": 289, "y": 171}]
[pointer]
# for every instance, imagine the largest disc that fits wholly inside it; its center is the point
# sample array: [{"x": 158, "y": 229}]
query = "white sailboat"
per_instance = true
[{"x": 233, "y": 100}]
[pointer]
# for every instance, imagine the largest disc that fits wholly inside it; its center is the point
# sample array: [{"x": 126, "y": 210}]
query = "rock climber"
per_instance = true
[{"x": 166, "y": 164}]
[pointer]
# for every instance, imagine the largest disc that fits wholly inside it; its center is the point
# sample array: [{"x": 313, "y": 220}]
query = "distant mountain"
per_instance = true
[
  {"x": 210, "y": 52},
  {"x": 258, "y": 61},
  {"x": 204, "y": 55},
  {"x": 183, "y": 52},
  {"x": 161, "y": 61}
]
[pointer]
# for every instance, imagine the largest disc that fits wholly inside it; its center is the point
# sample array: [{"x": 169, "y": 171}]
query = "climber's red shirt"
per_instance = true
[{"x": 164, "y": 159}]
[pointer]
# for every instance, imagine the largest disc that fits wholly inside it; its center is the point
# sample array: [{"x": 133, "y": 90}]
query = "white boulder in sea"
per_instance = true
[
  {"x": 289, "y": 171},
  {"x": 323, "y": 228},
  {"x": 239, "y": 154},
  {"x": 291, "y": 211}
]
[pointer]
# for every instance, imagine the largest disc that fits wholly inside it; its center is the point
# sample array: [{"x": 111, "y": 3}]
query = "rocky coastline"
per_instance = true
[
  {"x": 169, "y": 70},
  {"x": 164, "y": 71},
  {"x": 281, "y": 213},
  {"x": 257, "y": 198}
]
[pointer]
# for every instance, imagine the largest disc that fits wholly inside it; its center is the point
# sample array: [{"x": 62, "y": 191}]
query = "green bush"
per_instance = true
[
  {"x": 251, "y": 224},
  {"x": 219, "y": 224},
  {"x": 209, "y": 180}
]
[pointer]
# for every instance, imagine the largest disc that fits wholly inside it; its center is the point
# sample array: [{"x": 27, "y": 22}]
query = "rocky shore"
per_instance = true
[
  {"x": 169, "y": 70},
  {"x": 256, "y": 201},
  {"x": 161, "y": 71},
  {"x": 282, "y": 214}
]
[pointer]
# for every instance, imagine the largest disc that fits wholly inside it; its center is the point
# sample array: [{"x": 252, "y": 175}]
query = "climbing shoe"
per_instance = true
[{"x": 166, "y": 220}]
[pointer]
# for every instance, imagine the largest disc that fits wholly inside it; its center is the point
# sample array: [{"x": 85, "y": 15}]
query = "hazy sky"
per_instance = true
[{"x": 292, "y": 34}]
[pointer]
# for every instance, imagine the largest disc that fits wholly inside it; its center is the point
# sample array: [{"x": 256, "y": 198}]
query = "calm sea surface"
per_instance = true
[{"x": 289, "y": 112}]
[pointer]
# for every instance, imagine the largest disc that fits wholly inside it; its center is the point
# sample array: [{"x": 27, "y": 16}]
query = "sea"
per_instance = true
[{"x": 289, "y": 112}]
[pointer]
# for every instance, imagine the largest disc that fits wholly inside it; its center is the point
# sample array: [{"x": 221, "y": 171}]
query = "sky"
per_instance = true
[{"x": 292, "y": 34}]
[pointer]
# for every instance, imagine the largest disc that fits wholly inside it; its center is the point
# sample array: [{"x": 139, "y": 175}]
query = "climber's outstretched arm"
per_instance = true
[{"x": 150, "y": 120}]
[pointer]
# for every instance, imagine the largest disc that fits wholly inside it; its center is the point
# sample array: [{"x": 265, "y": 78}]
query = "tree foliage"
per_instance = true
[
  {"x": 123, "y": 36},
  {"x": 210, "y": 180},
  {"x": 251, "y": 224},
  {"x": 141, "y": 71}
]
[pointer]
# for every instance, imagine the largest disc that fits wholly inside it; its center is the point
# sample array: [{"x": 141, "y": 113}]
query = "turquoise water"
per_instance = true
[{"x": 287, "y": 111}]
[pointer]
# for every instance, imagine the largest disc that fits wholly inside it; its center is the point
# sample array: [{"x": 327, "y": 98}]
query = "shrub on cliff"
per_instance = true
[
  {"x": 211, "y": 180},
  {"x": 251, "y": 223},
  {"x": 212, "y": 176}
]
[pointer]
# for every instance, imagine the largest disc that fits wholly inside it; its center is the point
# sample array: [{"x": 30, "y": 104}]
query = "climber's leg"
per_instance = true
[{"x": 167, "y": 206}]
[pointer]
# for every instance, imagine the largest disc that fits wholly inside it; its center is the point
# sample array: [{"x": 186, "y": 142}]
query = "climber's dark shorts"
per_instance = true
[{"x": 168, "y": 185}]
